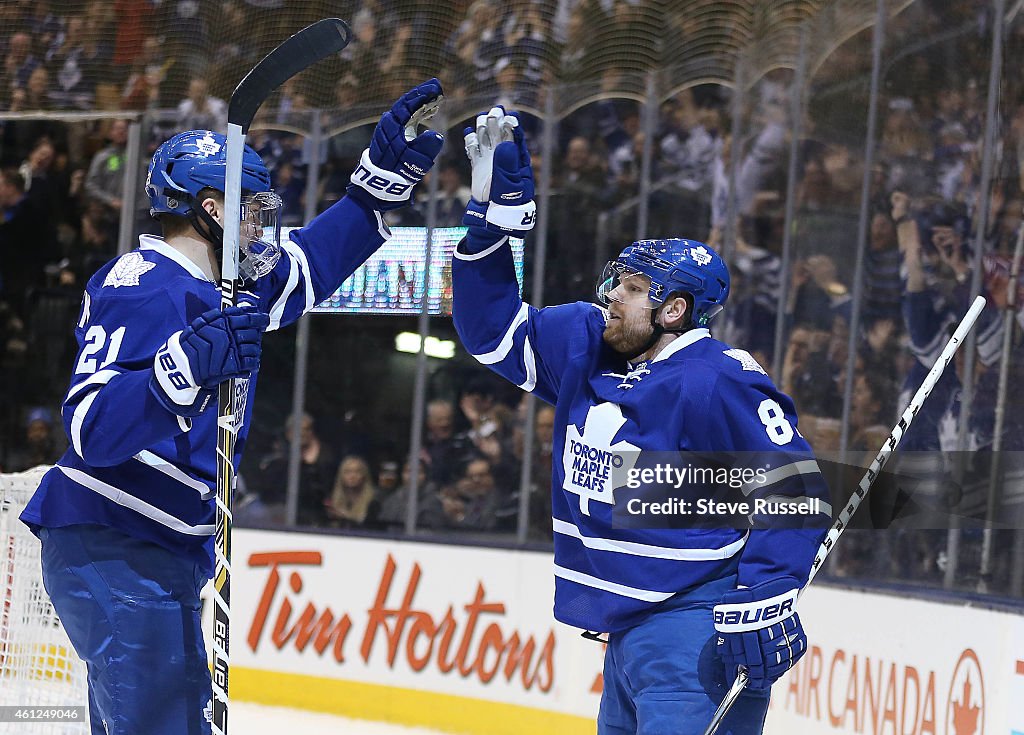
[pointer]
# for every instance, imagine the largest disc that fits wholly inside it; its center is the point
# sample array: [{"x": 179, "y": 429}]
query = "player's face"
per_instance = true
[{"x": 629, "y": 326}]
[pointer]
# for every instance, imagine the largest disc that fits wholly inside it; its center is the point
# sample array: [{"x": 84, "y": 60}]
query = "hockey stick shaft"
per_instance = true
[
  {"x": 861, "y": 491},
  {"x": 302, "y": 50}
]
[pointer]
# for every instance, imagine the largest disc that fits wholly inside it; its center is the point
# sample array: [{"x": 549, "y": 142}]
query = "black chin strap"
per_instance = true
[{"x": 214, "y": 234}]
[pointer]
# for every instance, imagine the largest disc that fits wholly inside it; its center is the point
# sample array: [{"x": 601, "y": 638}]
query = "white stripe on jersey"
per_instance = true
[
  {"x": 530, "y": 365},
  {"x": 162, "y": 465},
  {"x": 300, "y": 259},
  {"x": 78, "y": 418},
  {"x": 619, "y": 589},
  {"x": 101, "y": 378},
  {"x": 647, "y": 550},
  {"x": 127, "y": 500},
  {"x": 483, "y": 253},
  {"x": 500, "y": 352},
  {"x": 382, "y": 226},
  {"x": 277, "y": 310}
]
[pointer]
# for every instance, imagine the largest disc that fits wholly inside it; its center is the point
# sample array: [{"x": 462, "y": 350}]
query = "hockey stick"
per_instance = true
[
  {"x": 866, "y": 482},
  {"x": 305, "y": 48}
]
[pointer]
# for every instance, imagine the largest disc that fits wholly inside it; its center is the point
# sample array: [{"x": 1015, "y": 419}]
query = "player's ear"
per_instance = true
[
  {"x": 675, "y": 311},
  {"x": 214, "y": 207}
]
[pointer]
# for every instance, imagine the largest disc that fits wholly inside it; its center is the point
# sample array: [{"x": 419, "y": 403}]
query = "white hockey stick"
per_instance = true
[
  {"x": 866, "y": 482},
  {"x": 305, "y": 48}
]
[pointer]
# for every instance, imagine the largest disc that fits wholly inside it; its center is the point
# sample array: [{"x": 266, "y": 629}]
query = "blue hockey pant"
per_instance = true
[
  {"x": 132, "y": 611},
  {"x": 663, "y": 676}
]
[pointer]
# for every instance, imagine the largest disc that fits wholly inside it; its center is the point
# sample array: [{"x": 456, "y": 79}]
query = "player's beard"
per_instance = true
[{"x": 629, "y": 333}]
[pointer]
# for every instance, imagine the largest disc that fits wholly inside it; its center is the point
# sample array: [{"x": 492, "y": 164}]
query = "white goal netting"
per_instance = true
[{"x": 38, "y": 666}]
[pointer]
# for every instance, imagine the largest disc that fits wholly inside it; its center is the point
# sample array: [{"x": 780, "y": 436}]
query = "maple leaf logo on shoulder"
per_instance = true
[
  {"x": 208, "y": 145},
  {"x": 589, "y": 458},
  {"x": 746, "y": 360},
  {"x": 700, "y": 255},
  {"x": 127, "y": 270}
]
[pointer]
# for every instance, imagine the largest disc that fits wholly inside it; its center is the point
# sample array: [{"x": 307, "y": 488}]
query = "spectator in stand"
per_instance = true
[
  {"x": 882, "y": 271},
  {"x": 317, "y": 469},
  {"x": 43, "y": 24},
  {"x": 141, "y": 90},
  {"x": 200, "y": 111},
  {"x": 395, "y": 506},
  {"x": 583, "y": 192},
  {"x": 35, "y": 95},
  {"x": 443, "y": 448},
  {"x": 40, "y": 443},
  {"x": 453, "y": 195},
  {"x": 133, "y": 17},
  {"x": 353, "y": 502},
  {"x": 388, "y": 478},
  {"x": 871, "y": 413},
  {"x": 19, "y": 63},
  {"x": 104, "y": 184},
  {"x": 80, "y": 62},
  {"x": 25, "y": 241},
  {"x": 471, "y": 503}
]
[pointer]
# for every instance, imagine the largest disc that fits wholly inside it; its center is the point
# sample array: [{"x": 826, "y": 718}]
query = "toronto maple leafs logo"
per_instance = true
[
  {"x": 127, "y": 269},
  {"x": 746, "y": 360},
  {"x": 588, "y": 459},
  {"x": 208, "y": 145},
  {"x": 700, "y": 255}
]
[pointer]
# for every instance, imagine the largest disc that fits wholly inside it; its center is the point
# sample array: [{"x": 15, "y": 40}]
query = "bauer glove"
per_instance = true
[
  {"x": 398, "y": 158},
  {"x": 217, "y": 346},
  {"x": 502, "y": 187},
  {"x": 758, "y": 628}
]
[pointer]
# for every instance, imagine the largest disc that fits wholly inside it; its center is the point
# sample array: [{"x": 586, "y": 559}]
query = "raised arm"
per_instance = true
[
  {"x": 525, "y": 345},
  {"x": 319, "y": 257}
]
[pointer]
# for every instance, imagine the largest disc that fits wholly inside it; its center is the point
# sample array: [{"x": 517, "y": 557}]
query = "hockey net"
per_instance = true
[{"x": 38, "y": 666}]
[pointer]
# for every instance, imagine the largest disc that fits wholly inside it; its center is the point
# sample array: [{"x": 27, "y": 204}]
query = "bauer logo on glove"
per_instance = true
[{"x": 397, "y": 158}]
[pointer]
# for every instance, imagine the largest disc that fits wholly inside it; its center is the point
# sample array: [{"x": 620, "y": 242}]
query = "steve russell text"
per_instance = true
[{"x": 708, "y": 507}]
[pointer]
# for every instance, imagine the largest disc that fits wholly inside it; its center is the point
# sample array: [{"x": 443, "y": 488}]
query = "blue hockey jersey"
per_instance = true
[
  {"x": 133, "y": 465},
  {"x": 696, "y": 395}
]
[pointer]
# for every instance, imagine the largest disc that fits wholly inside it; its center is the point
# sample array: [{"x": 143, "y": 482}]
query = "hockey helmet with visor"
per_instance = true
[{"x": 195, "y": 160}]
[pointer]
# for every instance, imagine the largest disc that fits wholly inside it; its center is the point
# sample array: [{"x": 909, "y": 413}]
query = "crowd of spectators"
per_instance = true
[{"x": 62, "y": 198}]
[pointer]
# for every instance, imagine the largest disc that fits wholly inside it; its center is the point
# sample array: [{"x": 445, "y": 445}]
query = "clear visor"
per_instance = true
[
  {"x": 259, "y": 236},
  {"x": 625, "y": 285}
]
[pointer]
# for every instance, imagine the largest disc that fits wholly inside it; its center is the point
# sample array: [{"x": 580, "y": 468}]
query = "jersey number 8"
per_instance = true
[{"x": 779, "y": 430}]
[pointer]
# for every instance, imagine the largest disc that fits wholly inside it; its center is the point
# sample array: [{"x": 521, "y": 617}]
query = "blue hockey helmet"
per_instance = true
[
  {"x": 192, "y": 161},
  {"x": 674, "y": 266},
  {"x": 196, "y": 159}
]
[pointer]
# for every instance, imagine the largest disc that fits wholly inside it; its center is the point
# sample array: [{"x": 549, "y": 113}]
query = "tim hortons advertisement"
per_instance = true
[
  {"x": 465, "y": 621},
  {"x": 894, "y": 665}
]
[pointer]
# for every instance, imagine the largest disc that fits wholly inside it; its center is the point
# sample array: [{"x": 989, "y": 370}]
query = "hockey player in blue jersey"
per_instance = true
[
  {"x": 643, "y": 373},
  {"x": 126, "y": 517}
]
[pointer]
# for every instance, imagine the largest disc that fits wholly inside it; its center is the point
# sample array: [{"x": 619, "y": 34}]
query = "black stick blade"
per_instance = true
[{"x": 305, "y": 48}]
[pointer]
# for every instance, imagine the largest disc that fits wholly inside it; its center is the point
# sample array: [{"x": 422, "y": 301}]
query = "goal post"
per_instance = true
[{"x": 38, "y": 667}]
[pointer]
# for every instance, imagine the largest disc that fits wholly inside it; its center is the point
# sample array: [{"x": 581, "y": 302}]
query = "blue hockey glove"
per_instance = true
[
  {"x": 217, "y": 346},
  {"x": 398, "y": 158},
  {"x": 502, "y": 190},
  {"x": 758, "y": 628}
]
